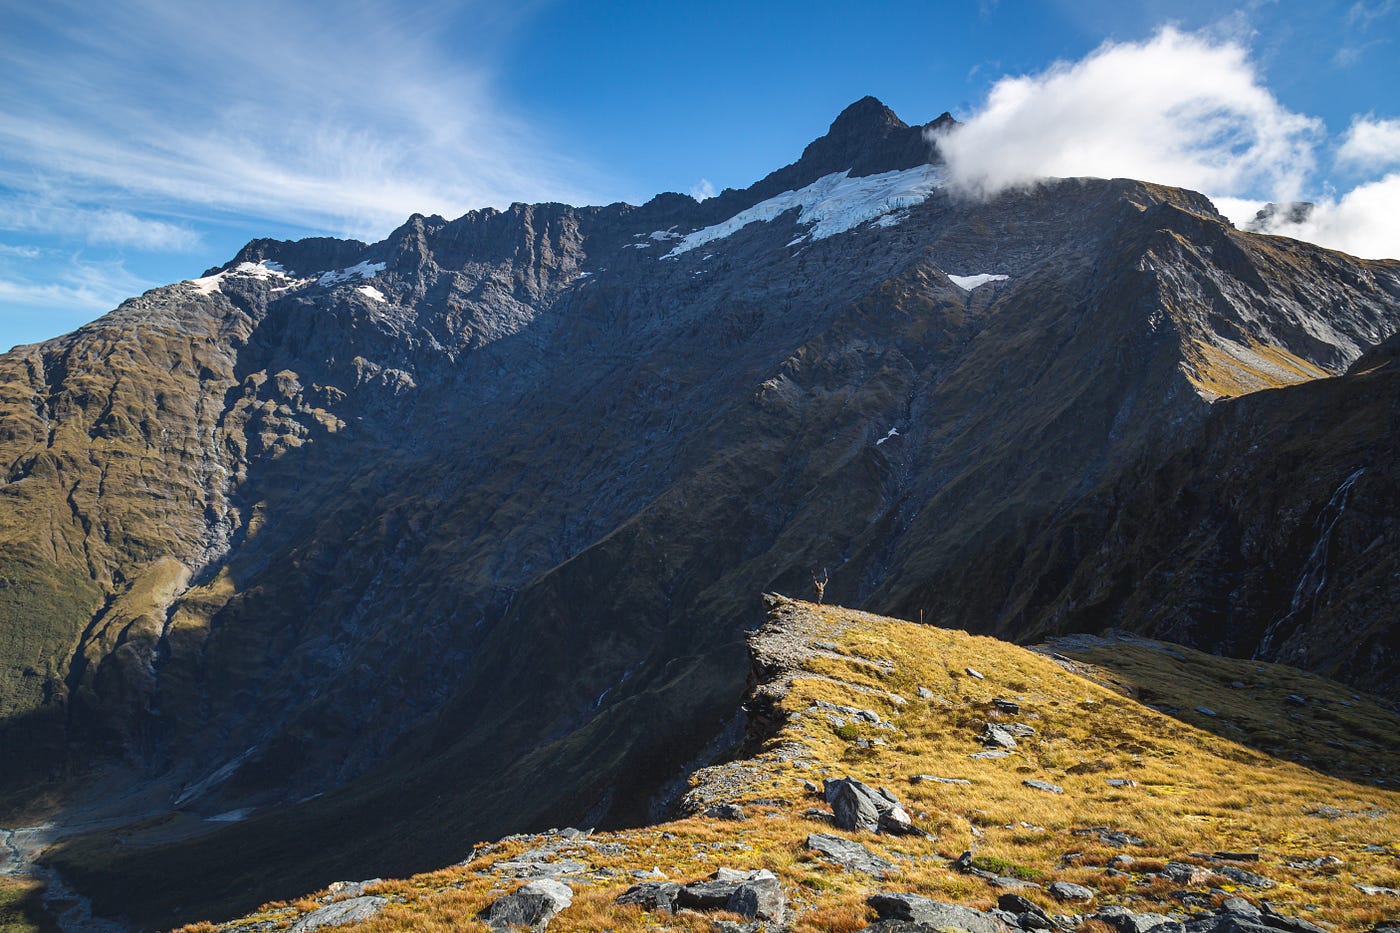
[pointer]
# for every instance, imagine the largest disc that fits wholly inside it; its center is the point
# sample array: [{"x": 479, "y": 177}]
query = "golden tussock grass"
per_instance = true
[{"x": 1196, "y": 791}]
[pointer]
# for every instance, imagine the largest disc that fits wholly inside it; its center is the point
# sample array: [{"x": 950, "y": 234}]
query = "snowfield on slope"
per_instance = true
[
  {"x": 830, "y": 205},
  {"x": 365, "y": 270},
  {"x": 969, "y": 282},
  {"x": 258, "y": 270}
]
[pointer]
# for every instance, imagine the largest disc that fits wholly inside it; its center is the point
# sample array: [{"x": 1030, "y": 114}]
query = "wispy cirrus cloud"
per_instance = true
[
  {"x": 78, "y": 284},
  {"x": 41, "y": 213},
  {"x": 1185, "y": 109},
  {"x": 346, "y": 119}
]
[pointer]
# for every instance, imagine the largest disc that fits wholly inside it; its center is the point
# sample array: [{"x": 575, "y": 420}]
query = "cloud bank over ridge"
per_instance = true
[{"x": 1186, "y": 110}]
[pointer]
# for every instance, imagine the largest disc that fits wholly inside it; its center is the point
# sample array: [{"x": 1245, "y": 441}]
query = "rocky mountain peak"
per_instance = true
[{"x": 867, "y": 138}]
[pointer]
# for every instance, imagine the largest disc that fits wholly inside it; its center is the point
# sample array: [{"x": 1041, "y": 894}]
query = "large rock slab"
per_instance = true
[
  {"x": 340, "y": 913},
  {"x": 659, "y": 896},
  {"x": 851, "y": 856},
  {"x": 922, "y": 910},
  {"x": 530, "y": 907}
]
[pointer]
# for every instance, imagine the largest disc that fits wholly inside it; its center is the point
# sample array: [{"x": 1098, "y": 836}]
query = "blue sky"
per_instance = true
[{"x": 145, "y": 141}]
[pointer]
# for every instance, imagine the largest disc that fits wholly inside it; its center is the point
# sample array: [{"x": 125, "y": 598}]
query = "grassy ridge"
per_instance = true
[{"x": 1194, "y": 792}]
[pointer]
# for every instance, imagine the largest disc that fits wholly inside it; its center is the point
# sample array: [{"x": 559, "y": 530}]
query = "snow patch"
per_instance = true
[
  {"x": 894, "y": 432},
  {"x": 369, "y": 291},
  {"x": 668, "y": 234},
  {"x": 830, "y": 205},
  {"x": 969, "y": 282},
  {"x": 209, "y": 284},
  {"x": 364, "y": 270},
  {"x": 637, "y": 246},
  {"x": 232, "y": 816}
]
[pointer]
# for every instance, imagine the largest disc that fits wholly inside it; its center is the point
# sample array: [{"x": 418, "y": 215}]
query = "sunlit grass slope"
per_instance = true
[{"x": 1194, "y": 792}]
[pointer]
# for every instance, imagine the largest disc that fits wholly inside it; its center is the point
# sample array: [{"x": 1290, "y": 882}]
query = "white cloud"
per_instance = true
[
  {"x": 1371, "y": 143},
  {"x": 1186, "y": 110},
  {"x": 1364, "y": 222},
  {"x": 1177, "y": 109},
  {"x": 702, "y": 190},
  {"x": 23, "y": 252},
  {"x": 347, "y": 122}
]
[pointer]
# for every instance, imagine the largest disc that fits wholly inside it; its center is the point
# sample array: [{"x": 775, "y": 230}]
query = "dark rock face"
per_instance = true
[{"x": 478, "y": 513}]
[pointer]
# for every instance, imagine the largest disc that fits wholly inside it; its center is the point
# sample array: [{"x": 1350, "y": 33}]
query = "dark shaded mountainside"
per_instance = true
[{"x": 391, "y": 547}]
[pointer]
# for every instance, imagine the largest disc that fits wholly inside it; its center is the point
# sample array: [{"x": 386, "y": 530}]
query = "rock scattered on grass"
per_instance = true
[
  {"x": 851, "y": 856},
  {"x": 531, "y": 906},
  {"x": 995, "y": 736},
  {"x": 974, "y": 673},
  {"x": 340, "y": 913},
  {"x": 1376, "y": 889},
  {"x": 1068, "y": 891},
  {"x": 859, "y": 807},
  {"x": 1184, "y": 873},
  {"x": 1045, "y": 786},
  {"x": 1112, "y": 837},
  {"x": 1028, "y": 914},
  {"x": 658, "y": 896},
  {"x": 936, "y": 914},
  {"x": 757, "y": 895},
  {"x": 726, "y": 811},
  {"x": 1240, "y": 876}
]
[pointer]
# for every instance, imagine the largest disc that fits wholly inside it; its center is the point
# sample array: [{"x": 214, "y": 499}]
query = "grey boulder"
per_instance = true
[
  {"x": 530, "y": 907},
  {"x": 859, "y": 807},
  {"x": 659, "y": 896},
  {"x": 936, "y": 914},
  {"x": 760, "y": 899},
  {"x": 1068, "y": 891},
  {"x": 996, "y": 736}
]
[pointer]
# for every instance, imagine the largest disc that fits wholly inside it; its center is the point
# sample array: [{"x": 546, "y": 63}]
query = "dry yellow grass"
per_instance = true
[
  {"x": 1195, "y": 792},
  {"x": 1221, "y": 374}
]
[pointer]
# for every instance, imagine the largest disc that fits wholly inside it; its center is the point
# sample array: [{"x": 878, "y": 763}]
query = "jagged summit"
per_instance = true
[{"x": 867, "y": 138}]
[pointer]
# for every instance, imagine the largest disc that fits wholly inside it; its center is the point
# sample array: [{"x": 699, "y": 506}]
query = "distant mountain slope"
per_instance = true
[{"x": 477, "y": 512}]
